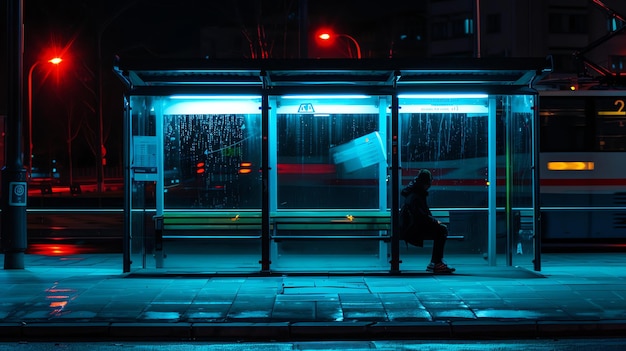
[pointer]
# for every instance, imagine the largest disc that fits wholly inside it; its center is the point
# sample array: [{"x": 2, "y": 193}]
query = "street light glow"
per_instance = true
[
  {"x": 55, "y": 60},
  {"x": 328, "y": 36}
]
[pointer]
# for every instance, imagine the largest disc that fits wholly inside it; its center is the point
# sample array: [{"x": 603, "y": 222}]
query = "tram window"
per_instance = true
[
  {"x": 582, "y": 124},
  {"x": 610, "y": 124},
  {"x": 565, "y": 125},
  {"x": 611, "y": 133},
  {"x": 563, "y": 131}
]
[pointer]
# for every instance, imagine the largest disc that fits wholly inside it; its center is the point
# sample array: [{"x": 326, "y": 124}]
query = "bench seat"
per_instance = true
[
  {"x": 283, "y": 224},
  {"x": 209, "y": 224}
]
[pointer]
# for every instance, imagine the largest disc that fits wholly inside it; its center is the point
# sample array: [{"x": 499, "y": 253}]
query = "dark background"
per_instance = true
[{"x": 65, "y": 96}]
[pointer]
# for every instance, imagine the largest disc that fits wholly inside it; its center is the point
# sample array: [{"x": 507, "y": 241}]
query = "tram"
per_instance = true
[{"x": 583, "y": 153}]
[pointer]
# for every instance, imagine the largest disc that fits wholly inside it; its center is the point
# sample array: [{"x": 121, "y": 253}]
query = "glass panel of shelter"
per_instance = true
[
  {"x": 328, "y": 170},
  {"x": 448, "y": 134},
  {"x": 328, "y": 183},
  {"x": 212, "y": 184},
  {"x": 519, "y": 163},
  {"x": 143, "y": 147}
]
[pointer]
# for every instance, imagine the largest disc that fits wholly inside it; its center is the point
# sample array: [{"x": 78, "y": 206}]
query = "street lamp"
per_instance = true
[
  {"x": 327, "y": 36},
  {"x": 54, "y": 61}
]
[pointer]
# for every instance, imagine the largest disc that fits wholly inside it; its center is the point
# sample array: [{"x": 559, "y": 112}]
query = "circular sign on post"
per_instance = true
[{"x": 18, "y": 193}]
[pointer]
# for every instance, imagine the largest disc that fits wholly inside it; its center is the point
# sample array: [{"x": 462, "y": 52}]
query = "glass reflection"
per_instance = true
[
  {"x": 329, "y": 153},
  {"x": 211, "y": 161},
  {"x": 451, "y": 142}
]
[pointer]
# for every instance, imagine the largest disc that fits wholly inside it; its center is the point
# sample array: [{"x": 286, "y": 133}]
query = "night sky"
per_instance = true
[{"x": 63, "y": 95}]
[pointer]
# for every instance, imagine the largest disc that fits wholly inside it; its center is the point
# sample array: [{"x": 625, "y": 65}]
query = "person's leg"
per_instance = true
[
  {"x": 437, "y": 266},
  {"x": 439, "y": 241}
]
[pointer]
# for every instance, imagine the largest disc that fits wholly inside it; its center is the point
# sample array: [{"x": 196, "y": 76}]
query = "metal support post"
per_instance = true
[{"x": 14, "y": 185}]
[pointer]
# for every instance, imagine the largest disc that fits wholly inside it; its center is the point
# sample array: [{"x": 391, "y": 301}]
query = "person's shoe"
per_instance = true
[{"x": 439, "y": 268}]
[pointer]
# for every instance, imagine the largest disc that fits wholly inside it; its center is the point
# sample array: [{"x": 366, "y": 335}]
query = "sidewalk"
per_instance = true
[{"x": 87, "y": 297}]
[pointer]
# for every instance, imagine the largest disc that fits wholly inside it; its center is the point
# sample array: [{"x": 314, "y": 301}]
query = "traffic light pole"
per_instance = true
[{"x": 14, "y": 185}]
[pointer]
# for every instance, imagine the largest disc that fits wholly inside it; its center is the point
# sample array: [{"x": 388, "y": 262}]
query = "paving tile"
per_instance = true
[
  {"x": 531, "y": 303},
  {"x": 599, "y": 294},
  {"x": 307, "y": 297},
  {"x": 439, "y": 296},
  {"x": 249, "y": 314},
  {"x": 477, "y": 295},
  {"x": 505, "y": 314},
  {"x": 347, "y": 298},
  {"x": 486, "y": 304},
  {"x": 124, "y": 315},
  {"x": 167, "y": 307},
  {"x": 451, "y": 314},
  {"x": 74, "y": 314},
  {"x": 171, "y": 316},
  {"x": 408, "y": 314},
  {"x": 204, "y": 316},
  {"x": 401, "y": 302},
  {"x": 213, "y": 298},
  {"x": 392, "y": 289},
  {"x": 439, "y": 304},
  {"x": 550, "y": 288},
  {"x": 368, "y": 314},
  {"x": 324, "y": 290},
  {"x": 294, "y": 311},
  {"x": 328, "y": 311}
]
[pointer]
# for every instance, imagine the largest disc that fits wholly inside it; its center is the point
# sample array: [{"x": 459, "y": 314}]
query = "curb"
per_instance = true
[{"x": 459, "y": 330}]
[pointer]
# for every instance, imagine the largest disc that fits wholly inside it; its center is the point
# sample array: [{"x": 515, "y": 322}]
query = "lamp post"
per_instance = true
[
  {"x": 327, "y": 36},
  {"x": 54, "y": 61}
]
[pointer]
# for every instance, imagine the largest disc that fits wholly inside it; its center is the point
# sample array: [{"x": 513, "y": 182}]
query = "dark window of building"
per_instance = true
[
  {"x": 493, "y": 23},
  {"x": 458, "y": 28},
  {"x": 439, "y": 31},
  {"x": 564, "y": 62},
  {"x": 578, "y": 23},
  {"x": 560, "y": 23}
]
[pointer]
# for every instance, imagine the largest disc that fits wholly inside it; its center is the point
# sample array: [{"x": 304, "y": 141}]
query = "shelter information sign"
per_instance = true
[{"x": 145, "y": 158}]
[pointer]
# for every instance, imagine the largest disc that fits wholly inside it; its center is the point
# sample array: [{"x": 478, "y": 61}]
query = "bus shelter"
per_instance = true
[{"x": 296, "y": 166}]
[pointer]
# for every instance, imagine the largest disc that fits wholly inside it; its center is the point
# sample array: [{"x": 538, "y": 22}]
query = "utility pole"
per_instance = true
[{"x": 14, "y": 184}]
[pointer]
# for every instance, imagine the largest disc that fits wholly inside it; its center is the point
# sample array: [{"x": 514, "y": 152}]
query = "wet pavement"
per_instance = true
[
  {"x": 385, "y": 345},
  {"x": 87, "y": 297}
]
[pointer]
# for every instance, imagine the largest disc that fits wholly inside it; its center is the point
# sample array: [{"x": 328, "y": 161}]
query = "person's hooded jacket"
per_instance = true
[{"x": 416, "y": 198}]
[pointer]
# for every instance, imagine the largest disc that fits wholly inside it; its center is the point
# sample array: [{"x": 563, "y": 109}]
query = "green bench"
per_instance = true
[
  {"x": 327, "y": 225},
  {"x": 283, "y": 224},
  {"x": 210, "y": 224}
]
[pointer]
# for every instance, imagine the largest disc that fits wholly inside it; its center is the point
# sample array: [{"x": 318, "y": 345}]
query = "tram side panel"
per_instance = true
[{"x": 583, "y": 152}]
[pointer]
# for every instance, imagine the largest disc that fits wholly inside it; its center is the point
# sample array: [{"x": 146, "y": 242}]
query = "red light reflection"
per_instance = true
[
  {"x": 57, "y": 249},
  {"x": 59, "y": 298}
]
